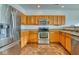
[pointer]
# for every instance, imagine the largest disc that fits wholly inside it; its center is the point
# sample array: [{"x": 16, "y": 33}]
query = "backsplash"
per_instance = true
[{"x": 23, "y": 27}]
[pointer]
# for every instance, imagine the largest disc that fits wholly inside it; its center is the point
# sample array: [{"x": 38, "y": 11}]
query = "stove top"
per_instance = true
[{"x": 43, "y": 29}]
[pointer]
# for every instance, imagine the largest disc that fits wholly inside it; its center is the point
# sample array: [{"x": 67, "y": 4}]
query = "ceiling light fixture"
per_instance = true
[
  {"x": 38, "y": 6},
  {"x": 62, "y": 6}
]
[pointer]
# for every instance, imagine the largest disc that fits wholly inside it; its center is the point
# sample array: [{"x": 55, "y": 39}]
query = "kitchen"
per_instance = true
[{"x": 53, "y": 28}]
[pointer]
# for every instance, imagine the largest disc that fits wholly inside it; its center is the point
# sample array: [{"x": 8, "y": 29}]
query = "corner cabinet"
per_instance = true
[{"x": 53, "y": 36}]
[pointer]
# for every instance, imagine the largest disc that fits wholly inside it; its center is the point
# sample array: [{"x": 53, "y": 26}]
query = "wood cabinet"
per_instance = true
[
  {"x": 55, "y": 20},
  {"x": 63, "y": 39},
  {"x": 62, "y": 20},
  {"x": 51, "y": 20},
  {"x": 23, "y": 20},
  {"x": 54, "y": 36},
  {"x": 59, "y": 20},
  {"x": 68, "y": 42},
  {"x": 24, "y": 38},
  {"x": 29, "y": 37},
  {"x": 33, "y": 36},
  {"x": 34, "y": 20}
]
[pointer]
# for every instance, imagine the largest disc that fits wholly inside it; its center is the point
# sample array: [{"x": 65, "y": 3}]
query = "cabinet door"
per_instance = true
[
  {"x": 37, "y": 21},
  {"x": 24, "y": 38},
  {"x": 63, "y": 39},
  {"x": 51, "y": 20},
  {"x": 59, "y": 20},
  {"x": 63, "y": 20},
  {"x": 55, "y": 20},
  {"x": 34, "y": 20},
  {"x": 27, "y": 20},
  {"x": 23, "y": 20},
  {"x": 33, "y": 37},
  {"x": 68, "y": 42},
  {"x": 54, "y": 36}
]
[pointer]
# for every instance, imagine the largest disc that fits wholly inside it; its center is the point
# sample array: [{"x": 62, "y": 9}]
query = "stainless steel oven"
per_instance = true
[{"x": 43, "y": 36}]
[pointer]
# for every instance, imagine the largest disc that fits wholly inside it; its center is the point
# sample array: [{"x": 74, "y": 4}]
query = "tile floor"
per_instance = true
[
  {"x": 34, "y": 49},
  {"x": 15, "y": 50},
  {"x": 52, "y": 49}
]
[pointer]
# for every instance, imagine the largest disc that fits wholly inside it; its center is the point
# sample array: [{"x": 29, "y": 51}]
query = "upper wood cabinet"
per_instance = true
[
  {"x": 27, "y": 20},
  {"x": 23, "y": 20},
  {"x": 56, "y": 20},
  {"x": 63, "y": 20},
  {"x": 51, "y": 20},
  {"x": 59, "y": 20}
]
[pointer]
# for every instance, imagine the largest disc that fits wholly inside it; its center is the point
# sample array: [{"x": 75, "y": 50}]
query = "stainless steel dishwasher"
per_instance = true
[{"x": 75, "y": 45}]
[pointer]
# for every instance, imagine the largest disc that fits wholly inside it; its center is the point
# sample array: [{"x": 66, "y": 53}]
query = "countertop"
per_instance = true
[{"x": 74, "y": 34}]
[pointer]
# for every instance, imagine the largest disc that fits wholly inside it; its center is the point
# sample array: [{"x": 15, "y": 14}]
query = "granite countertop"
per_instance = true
[
  {"x": 71, "y": 32},
  {"x": 75, "y": 35}
]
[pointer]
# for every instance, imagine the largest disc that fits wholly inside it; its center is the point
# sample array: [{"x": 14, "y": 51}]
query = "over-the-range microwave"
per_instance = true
[{"x": 43, "y": 22}]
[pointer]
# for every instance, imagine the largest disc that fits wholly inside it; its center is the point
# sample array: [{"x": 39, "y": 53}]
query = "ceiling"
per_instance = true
[{"x": 50, "y": 6}]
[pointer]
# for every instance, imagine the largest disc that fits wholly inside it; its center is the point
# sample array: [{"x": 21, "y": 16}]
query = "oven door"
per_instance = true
[
  {"x": 43, "y": 38},
  {"x": 43, "y": 35}
]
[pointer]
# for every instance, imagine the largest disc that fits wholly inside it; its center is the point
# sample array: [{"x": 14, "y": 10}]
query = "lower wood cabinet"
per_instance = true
[
  {"x": 62, "y": 39},
  {"x": 33, "y": 37},
  {"x": 54, "y": 36},
  {"x": 24, "y": 38},
  {"x": 68, "y": 42},
  {"x": 28, "y": 37},
  {"x": 65, "y": 40}
]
